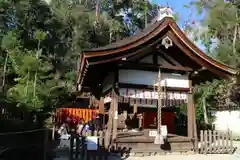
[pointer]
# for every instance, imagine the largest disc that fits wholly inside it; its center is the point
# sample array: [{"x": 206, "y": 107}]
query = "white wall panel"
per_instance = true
[{"x": 148, "y": 78}]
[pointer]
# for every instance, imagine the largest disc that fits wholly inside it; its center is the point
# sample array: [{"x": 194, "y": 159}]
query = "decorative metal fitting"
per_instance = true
[{"x": 167, "y": 42}]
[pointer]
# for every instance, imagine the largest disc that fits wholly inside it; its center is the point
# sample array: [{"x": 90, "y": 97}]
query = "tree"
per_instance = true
[
  {"x": 41, "y": 43},
  {"x": 222, "y": 22},
  {"x": 219, "y": 32}
]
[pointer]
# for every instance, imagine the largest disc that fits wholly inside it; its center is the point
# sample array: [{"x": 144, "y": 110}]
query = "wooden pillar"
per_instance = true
[
  {"x": 140, "y": 121},
  {"x": 115, "y": 117},
  {"x": 195, "y": 130},
  {"x": 192, "y": 124},
  {"x": 125, "y": 114},
  {"x": 109, "y": 124},
  {"x": 115, "y": 104},
  {"x": 134, "y": 108},
  {"x": 101, "y": 106},
  {"x": 101, "y": 111},
  {"x": 190, "y": 107}
]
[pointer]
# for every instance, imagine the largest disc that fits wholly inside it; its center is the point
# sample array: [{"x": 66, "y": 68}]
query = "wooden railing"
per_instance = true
[{"x": 215, "y": 142}]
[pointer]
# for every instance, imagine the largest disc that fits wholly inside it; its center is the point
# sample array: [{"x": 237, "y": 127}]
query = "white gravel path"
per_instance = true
[
  {"x": 185, "y": 157},
  {"x": 235, "y": 156},
  {"x": 176, "y": 157}
]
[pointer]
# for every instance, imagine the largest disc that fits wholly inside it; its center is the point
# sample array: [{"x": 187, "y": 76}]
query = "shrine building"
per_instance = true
[{"x": 123, "y": 77}]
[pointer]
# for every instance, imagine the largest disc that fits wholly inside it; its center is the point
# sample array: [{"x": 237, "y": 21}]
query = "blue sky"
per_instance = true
[
  {"x": 178, "y": 7},
  {"x": 183, "y": 12}
]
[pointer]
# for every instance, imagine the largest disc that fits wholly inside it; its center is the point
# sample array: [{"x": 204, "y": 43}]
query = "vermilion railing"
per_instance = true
[{"x": 76, "y": 113}]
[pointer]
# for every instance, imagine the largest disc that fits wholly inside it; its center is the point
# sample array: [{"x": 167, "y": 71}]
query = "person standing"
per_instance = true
[{"x": 80, "y": 127}]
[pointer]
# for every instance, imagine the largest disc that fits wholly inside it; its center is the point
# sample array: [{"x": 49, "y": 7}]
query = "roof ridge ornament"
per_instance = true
[
  {"x": 164, "y": 12},
  {"x": 167, "y": 42}
]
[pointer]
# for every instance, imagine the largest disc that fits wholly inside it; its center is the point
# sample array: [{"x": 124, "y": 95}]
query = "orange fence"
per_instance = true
[{"x": 77, "y": 113}]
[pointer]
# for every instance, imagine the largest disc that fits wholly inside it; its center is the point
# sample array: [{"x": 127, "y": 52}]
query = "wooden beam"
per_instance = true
[
  {"x": 152, "y": 67},
  {"x": 107, "y": 91},
  {"x": 143, "y": 54},
  {"x": 101, "y": 109},
  {"x": 150, "y": 87},
  {"x": 168, "y": 58},
  {"x": 155, "y": 58},
  {"x": 139, "y": 58}
]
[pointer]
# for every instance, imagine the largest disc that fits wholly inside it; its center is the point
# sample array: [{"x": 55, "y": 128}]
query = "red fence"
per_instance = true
[{"x": 76, "y": 113}]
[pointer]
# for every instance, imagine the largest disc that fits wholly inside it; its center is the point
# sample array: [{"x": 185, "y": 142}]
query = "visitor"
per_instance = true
[
  {"x": 68, "y": 119},
  {"x": 63, "y": 131},
  {"x": 128, "y": 122},
  {"x": 99, "y": 122},
  {"x": 91, "y": 124},
  {"x": 80, "y": 126},
  {"x": 135, "y": 121},
  {"x": 86, "y": 127},
  {"x": 95, "y": 123}
]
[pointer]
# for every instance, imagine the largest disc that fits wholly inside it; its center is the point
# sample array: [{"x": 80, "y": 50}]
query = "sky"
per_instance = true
[
  {"x": 178, "y": 7},
  {"x": 183, "y": 12}
]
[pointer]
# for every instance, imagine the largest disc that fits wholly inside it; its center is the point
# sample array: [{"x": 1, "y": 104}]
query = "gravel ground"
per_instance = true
[
  {"x": 185, "y": 157},
  {"x": 177, "y": 157},
  {"x": 235, "y": 156}
]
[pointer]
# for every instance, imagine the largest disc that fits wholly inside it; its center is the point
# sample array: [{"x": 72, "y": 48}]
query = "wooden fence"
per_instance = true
[{"x": 215, "y": 142}]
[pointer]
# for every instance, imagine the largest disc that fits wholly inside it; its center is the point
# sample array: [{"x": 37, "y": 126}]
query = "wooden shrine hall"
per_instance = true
[{"x": 123, "y": 76}]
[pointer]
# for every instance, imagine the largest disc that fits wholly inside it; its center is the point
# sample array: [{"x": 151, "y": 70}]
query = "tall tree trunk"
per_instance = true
[
  {"x": 234, "y": 41},
  {"x": 4, "y": 73},
  {"x": 26, "y": 88},
  {"x": 97, "y": 10},
  {"x": 110, "y": 37},
  {"x": 204, "y": 107},
  {"x": 146, "y": 13},
  {"x": 53, "y": 122},
  {"x": 35, "y": 76}
]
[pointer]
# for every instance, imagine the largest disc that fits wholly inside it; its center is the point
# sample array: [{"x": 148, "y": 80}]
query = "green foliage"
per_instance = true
[
  {"x": 222, "y": 22},
  {"x": 40, "y": 44},
  {"x": 205, "y": 93},
  {"x": 218, "y": 31}
]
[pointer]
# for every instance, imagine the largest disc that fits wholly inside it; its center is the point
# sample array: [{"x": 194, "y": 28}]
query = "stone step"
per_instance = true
[
  {"x": 152, "y": 145},
  {"x": 155, "y": 148}
]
